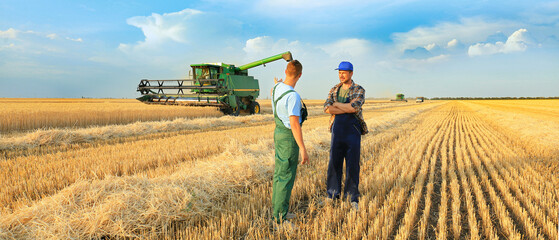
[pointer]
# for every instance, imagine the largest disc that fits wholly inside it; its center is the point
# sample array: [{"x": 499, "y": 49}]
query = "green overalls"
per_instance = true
[{"x": 287, "y": 158}]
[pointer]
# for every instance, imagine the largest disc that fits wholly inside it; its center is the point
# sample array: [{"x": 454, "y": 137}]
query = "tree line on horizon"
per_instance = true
[{"x": 490, "y": 98}]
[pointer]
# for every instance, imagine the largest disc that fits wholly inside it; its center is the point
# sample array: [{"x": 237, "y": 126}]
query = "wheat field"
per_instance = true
[
  {"x": 30, "y": 114},
  {"x": 436, "y": 170}
]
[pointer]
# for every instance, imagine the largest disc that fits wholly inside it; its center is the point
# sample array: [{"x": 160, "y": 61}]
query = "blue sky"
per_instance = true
[{"x": 419, "y": 48}]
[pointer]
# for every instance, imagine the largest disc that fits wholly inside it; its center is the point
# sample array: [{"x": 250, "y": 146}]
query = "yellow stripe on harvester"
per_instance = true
[{"x": 246, "y": 89}]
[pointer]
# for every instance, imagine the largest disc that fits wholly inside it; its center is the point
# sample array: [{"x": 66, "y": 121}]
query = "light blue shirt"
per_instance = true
[{"x": 289, "y": 105}]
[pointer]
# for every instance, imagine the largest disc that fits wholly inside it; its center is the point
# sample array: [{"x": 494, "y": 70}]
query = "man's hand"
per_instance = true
[
  {"x": 304, "y": 156},
  {"x": 275, "y": 82}
]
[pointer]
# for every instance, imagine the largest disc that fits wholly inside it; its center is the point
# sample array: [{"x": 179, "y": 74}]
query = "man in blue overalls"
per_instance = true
[
  {"x": 288, "y": 141},
  {"x": 346, "y": 125}
]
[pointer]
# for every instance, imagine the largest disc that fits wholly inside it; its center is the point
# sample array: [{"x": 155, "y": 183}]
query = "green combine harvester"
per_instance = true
[
  {"x": 399, "y": 98},
  {"x": 220, "y": 85}
]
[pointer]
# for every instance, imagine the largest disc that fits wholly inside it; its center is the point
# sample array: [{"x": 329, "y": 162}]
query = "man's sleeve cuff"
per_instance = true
[{"x": 356, "y": 106}]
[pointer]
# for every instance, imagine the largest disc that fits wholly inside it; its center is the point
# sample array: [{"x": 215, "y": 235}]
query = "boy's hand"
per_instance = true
[{"x": 304, "y": 156}]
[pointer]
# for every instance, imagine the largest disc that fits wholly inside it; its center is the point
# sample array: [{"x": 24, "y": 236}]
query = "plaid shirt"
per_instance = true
[{"x": 355, "y": 92}]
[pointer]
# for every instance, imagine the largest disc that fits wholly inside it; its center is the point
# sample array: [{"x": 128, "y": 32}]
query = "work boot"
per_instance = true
[
  {"x": 285, "y": 226},
  {"x": 355, "y": 205},
  {"x": 290, "y": 216}
]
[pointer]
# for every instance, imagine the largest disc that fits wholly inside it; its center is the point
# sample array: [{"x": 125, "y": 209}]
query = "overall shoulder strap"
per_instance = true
[
  {"x": 274, "y": 92},
  {"x": 276, "y": 100},
  {"x": 285, "y": 93}
]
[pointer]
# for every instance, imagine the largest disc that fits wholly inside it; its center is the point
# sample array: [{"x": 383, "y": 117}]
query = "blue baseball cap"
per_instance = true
[{"x": 345, "y": 66}]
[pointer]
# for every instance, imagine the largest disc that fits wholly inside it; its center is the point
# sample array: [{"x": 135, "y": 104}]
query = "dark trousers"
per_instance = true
[{"x": 345, "y": 144}]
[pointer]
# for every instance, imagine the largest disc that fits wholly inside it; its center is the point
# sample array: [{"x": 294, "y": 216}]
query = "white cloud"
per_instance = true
[
  {"x": 516, "y": 42},
  {"x": 282, "y": 8},
  {"x": 434, "y": 59},
  {"x": 430, "y": 46},
  {"x": 52, "y": 36},
  {"x": 10, "y": 33},
  {"x": 417, "y": 53},
  {"x": 309, "y": 4},
  {"x": 468, "y": 30},
  {"x": 452, "y": 43},
  {"x": 266, "y": 44},
  {"x": 28, "y": 35},
  {"x": 348, "y": 48},
  {"x": 414, "y": 64},
  {"x": 188, "y": 28},
  {"x": 9, "y": 46},
  {"x": 485, "y": 48},
  {"x": 169, "y": 26},
  {"x": 542, "y": 13},
  {"x": 75, "y": 39}
]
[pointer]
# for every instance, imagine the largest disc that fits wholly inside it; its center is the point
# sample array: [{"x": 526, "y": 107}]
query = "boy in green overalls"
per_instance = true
[{"x": 288, "y": 141}]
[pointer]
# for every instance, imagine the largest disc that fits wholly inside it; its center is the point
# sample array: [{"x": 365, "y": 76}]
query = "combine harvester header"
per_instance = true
[{"x": 213, "y": 84}]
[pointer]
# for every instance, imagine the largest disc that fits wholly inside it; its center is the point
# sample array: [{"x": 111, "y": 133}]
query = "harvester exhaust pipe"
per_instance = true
[{"x": 286, "y": 56}]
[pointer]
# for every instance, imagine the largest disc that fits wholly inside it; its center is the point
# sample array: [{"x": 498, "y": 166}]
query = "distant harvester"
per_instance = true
[{"x": 399, "y": 97}]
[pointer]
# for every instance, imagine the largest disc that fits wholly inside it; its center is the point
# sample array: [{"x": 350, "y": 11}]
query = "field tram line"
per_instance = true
[
  {"x": 476, "y": 178},
  {"x": 441, "y": 223},
  {"x": 378, "y": 226},
  {"x": 481, "y": 140},
  {"x": 501, "y": 195},
  {"x": 514, "y": 167},
  {"x": 523, "y": 109},
  {"x": 436, "y": 198},
  {"x": 393, "y": 151},
  {"x": 536, "y": 179},
  {"x": 415, "y": 204},
  {"x": 418, "y": 183},
  {"x": 517, "y": 202},
  {"x": 457, "y": 206},
  {"x": 426, "y": 202},
  {"x": 486, "y": 214},
  {"x": 508, "y": 227},
  {"x": 471, "y": 224}
]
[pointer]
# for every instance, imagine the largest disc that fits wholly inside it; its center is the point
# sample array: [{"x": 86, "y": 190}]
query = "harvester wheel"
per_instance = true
[
  {"x": 235, "y": 111},
  {"x": 254, "y": 108}
]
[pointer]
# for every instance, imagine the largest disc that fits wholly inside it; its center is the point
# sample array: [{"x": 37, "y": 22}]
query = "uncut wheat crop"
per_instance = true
[
  {"x": 435, "y": 170},
  {"x": 30, "y": 114}
]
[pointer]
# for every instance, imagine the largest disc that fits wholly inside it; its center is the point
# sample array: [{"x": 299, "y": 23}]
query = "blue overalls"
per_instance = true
[{"x": 345, "y": 143}]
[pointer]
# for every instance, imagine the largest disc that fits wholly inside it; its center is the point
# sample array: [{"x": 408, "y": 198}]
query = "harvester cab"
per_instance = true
[{"x": 213, "y": 84}]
